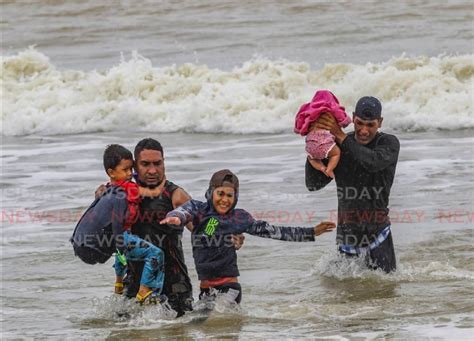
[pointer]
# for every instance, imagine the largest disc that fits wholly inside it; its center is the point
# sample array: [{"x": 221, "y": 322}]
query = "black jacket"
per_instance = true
[{"x": 364, "y": 177}]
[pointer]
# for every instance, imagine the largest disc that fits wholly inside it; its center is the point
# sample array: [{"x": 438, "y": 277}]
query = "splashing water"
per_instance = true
[{"x": 261, "y": 96}]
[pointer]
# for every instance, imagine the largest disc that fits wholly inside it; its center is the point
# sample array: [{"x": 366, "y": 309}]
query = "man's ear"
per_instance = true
[
  {"x": 110, "y": 172},
  {"x": 380, "y": 121},
  {"x": 353, "y": 117}
]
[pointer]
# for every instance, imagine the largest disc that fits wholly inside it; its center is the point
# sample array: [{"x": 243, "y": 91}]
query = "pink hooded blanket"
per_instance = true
[{"x": 322, "y": 102}]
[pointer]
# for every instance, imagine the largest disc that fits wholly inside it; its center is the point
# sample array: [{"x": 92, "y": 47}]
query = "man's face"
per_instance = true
[
  {"x": 150, "y": 167},
  {"x": 365, "y": 130}
]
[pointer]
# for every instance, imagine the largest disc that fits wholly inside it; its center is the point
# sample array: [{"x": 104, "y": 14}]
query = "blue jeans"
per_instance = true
[{"x": 137, "y": 249}]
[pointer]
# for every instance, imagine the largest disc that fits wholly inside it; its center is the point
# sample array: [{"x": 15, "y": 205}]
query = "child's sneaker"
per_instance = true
[
  {"x": 151, "y": 297},
  {"x": 118, "y": 288}
]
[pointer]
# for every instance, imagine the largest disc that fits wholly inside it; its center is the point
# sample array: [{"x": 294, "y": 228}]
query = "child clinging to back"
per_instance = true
[
  {"x": 105, "y": 228},
  {"x": 320, "y": 143},
  {"x": 214, "y": 222}
]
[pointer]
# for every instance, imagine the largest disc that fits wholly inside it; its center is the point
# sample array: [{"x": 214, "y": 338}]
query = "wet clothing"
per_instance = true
[
  {"x": 224, "y": 288},
  {"x": 96, "y": 235},
  {"x": 323, "y": 101},
  {"x": 137, "y": 249},
  {"x": 364, "y": 177},
  {"x": 319, "y": 143},
  {"x": 382, "y": 257},
  {"x": 133, "y": 201},
  {"x": 177, "y": 284},
  {"x": 102, "y": 230},
  {"x": 213, "y": 251}
]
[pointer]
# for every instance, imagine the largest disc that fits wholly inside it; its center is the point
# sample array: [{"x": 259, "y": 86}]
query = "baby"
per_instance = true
[{"x": 320, "y": 143}]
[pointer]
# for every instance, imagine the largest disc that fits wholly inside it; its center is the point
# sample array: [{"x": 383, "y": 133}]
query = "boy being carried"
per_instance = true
[{"x": 105, "y": 228}]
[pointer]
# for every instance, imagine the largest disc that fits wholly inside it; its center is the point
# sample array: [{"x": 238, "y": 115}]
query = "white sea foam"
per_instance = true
[
  {"x": 333, "y": 265},
  {"x": 261, "y": 96},
  {"x": 119, "y": 309}
]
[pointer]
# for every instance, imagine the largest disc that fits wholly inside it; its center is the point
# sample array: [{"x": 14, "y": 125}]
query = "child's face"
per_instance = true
[
  {"x": 223, "y": 198},
  {"x": 122, "y": 172}
]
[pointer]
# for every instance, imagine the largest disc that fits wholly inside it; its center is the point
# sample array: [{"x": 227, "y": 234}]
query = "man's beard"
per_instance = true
[{"x": 144, "y": 184}]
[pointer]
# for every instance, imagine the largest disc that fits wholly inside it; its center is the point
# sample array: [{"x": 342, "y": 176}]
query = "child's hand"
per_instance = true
[
  {"x": 171, "y": 221},
  {"x": 238, "y": 240},
  {"x": 323, "y": 227}
]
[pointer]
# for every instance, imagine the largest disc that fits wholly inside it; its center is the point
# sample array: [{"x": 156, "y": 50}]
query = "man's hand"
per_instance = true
[
  {"x": 323, "y": 227},
  {"x": 328, "y": 122},
  {"x": 99, "y": 191},
  {"x": 238, "y": 240}
]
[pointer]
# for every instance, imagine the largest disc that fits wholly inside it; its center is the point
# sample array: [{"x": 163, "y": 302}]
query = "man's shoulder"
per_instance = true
[
  {"x": 387, "y": 138},
  {"x": 381, "y": 133},
  {"x": 177, "y": 193},
  {"x": 171, "y": 186}
]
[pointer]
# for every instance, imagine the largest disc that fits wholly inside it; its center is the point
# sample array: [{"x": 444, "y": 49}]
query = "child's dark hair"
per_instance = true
[
  {"x": 148, "y": 143},
  {"x": 115, "y": 153}
]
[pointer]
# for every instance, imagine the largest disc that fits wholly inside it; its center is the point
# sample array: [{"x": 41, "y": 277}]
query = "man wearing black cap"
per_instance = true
[{"x": 364, "y": 177}]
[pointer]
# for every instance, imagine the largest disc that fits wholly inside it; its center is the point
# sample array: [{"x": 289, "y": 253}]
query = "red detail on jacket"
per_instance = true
[{"x": 133, "y": 200}]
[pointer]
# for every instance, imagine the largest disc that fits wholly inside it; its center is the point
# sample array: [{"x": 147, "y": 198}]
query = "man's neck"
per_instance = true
[{"x": 147, "y": 191}]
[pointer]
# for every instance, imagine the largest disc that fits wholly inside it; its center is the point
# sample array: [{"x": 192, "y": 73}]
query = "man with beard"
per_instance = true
[{"x": 160, "y": 196}]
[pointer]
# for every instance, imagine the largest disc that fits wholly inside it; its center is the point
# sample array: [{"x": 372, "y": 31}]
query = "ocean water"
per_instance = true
[{"x": 218, "y": 83}]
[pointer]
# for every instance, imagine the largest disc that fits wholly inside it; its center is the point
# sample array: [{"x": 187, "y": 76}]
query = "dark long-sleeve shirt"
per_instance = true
[
  {"x": 364, "y": 177},
  {"x": 101, "y": 226},
  {"x": 213, "y": 251}
]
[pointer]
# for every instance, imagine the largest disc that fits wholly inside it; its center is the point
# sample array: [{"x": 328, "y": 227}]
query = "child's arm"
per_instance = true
[
  {"x": 180, "y": 197},
  {"x": 296, "y": 234},
  {"x": 183, "y": 214}
]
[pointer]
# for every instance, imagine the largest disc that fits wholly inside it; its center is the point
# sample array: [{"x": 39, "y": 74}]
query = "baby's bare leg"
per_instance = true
[{"x": 334, "y": 155}]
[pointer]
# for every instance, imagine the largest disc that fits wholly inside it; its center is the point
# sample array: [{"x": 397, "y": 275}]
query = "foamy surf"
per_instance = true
[
  {"x": 261, "y": 96},
  {"x": 119, "y": 309},
  {"x": 333, "y": 265}
]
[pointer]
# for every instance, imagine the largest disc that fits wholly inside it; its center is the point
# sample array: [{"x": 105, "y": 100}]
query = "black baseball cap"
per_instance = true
[{"x": 368, "y": 108}]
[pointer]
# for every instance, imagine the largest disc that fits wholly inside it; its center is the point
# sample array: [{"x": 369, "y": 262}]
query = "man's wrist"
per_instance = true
[{"x": 340, "y": 137}]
